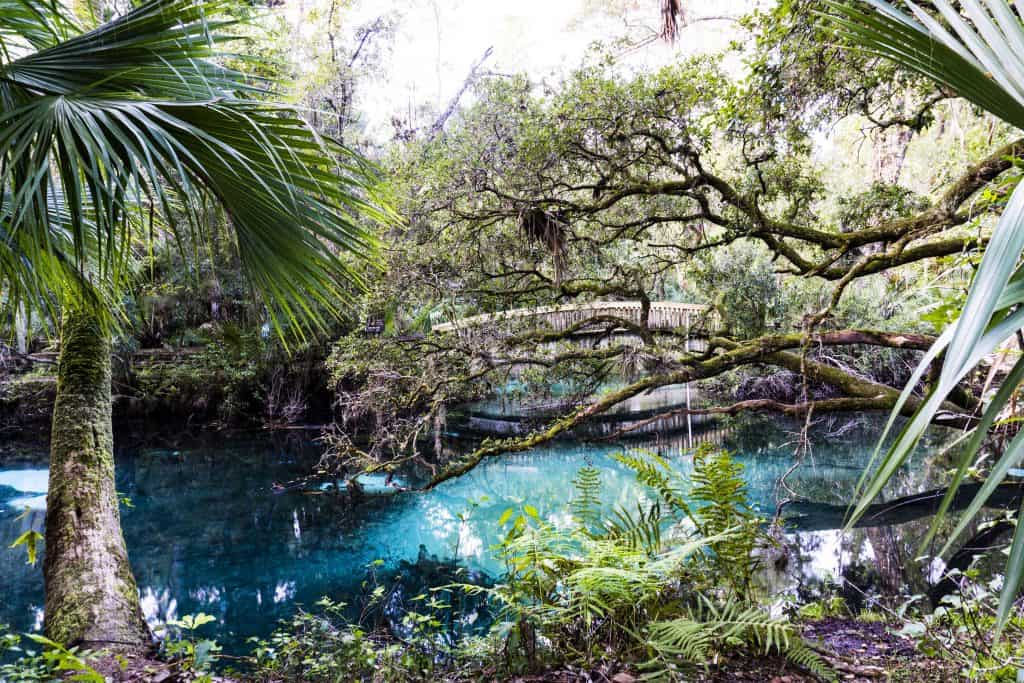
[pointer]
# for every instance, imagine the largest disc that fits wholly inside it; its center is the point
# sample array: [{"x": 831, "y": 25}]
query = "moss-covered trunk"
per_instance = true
[{"x": 91, "y": 595}]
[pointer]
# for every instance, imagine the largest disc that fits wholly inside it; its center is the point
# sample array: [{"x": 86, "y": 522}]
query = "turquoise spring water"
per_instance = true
[{"x": 208, "y": 532}]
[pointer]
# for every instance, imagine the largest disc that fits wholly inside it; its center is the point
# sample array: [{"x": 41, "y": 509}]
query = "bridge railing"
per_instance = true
[{"x": 663, "y": 315}]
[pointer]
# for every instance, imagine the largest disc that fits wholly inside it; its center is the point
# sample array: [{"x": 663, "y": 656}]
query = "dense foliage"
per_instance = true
[
  {"x": 827, "y": 207},
  {"x": 661, "y": 186}
]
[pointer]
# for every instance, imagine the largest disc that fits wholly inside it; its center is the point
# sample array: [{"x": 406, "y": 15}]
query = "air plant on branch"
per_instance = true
[{"x": 671, "y": 16}]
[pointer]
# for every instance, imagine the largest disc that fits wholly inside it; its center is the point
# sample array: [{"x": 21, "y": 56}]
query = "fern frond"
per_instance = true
[
  {"x": 654, "y": 471},
  {"x": 683, "y": 638},
  {"x": 586, "y": 503},
  {"x": 639, "y": 532},
  {"x": 732, "y": 625},
  {"x": 802, "y": 656}
]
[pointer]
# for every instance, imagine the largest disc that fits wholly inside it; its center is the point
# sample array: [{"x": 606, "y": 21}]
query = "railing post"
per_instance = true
[{"x": 689, "y": 417}]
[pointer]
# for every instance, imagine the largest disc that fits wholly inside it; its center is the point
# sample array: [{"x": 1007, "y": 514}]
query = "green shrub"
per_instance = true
[
  {"x": 40, "y": 659},
  {"x": 327, "y": 646},
  {"x": 663, "y": 588},
  {"x": 961, "y": 630}
]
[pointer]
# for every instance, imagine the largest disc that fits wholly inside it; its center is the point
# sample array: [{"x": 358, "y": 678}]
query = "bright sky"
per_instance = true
[{"x": 438, "y": 40}]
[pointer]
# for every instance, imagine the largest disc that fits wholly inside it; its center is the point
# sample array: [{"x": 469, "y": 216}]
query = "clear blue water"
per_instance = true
[{"x": 208, "y": 533}]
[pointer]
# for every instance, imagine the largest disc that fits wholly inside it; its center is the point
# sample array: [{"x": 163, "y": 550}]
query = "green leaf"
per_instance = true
[
  {"x": 43, "y": 640},
  {"x": 1014, "y": 576},
  {"x": 31, "y": 540},
  {"x": 192, "y": 622}
]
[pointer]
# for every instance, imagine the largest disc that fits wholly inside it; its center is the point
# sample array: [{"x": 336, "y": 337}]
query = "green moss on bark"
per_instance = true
[{"x": 91, "y": 596}]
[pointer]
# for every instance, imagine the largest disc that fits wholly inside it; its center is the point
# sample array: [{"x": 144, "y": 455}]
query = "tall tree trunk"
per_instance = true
[
  {"x": 91, "y": 596},
  {"x": 890, "y": 154}
]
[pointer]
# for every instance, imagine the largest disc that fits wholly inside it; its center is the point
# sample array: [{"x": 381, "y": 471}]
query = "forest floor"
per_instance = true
[{"x": 857, "y": 651}]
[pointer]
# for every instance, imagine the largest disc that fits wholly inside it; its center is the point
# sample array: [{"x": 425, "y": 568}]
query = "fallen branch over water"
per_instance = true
[{"x": 861, "y": 394}]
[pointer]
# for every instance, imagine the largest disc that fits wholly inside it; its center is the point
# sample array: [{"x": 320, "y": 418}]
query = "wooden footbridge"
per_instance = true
[{"x": 662, "y": 316}]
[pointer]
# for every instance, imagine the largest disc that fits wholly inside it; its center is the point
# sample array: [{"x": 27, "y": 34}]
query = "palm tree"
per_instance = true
[
  {"x": 97, "y": 130},
  {"x": 976, "y": 52}
]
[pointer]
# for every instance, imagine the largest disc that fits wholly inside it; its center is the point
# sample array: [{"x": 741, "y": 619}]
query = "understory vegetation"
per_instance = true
[{"x": 231, "y": 380}]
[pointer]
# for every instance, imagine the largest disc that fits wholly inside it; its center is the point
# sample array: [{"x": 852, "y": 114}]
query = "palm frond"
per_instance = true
[
  {"x": 32, "y": 25},
  {"x": 978, "y": 54},
  {"x": 122, "y": 117},
  {"x": 40, "y": 280},
  {"x": 162, "y": 49}
]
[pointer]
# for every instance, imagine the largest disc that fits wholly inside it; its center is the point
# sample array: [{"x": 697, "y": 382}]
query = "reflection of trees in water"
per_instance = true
[
  {"x": 873, "y": 561},
  {"x": 864, "y": 565},
  {"x": 867, "y": 564},
  {"x": 889, "y": 560},
  {"x": 830, "y": 471},
  {"x": 883, "y": 561}
]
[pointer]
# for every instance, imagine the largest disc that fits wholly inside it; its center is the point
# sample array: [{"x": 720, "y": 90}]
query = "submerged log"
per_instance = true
[
  {"x": 806, "y": 516},
  {"x": 984, "y": 541}
]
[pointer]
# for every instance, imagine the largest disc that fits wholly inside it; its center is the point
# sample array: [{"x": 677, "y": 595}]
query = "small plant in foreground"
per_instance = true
[
  {"x": 961, "y": 629},
  {"x": 53, "y": 662},
  {"x": 834, "y": 606},
  {"x": 327, "y": 646},
  {"x": 194, "y": 657},
  {"x": 31, "y": 539}
]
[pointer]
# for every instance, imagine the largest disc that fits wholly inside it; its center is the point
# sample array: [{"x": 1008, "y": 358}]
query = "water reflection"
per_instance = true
[{"x": 208, "y": 531}]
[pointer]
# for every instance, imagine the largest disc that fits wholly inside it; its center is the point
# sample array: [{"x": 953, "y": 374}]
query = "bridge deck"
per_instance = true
[{"x": 663, "y": 315}]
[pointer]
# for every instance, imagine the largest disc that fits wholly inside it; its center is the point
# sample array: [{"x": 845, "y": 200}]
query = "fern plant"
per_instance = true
[
  {"x": 721, "y": 492},
  {"x": 708, "y": 630},
  {"x": 713, "y": 500},
  {"x": 618, "y": 586}
]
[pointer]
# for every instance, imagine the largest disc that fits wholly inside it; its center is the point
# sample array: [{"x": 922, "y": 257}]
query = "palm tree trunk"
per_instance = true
[{"x": 91, "y": 596}]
